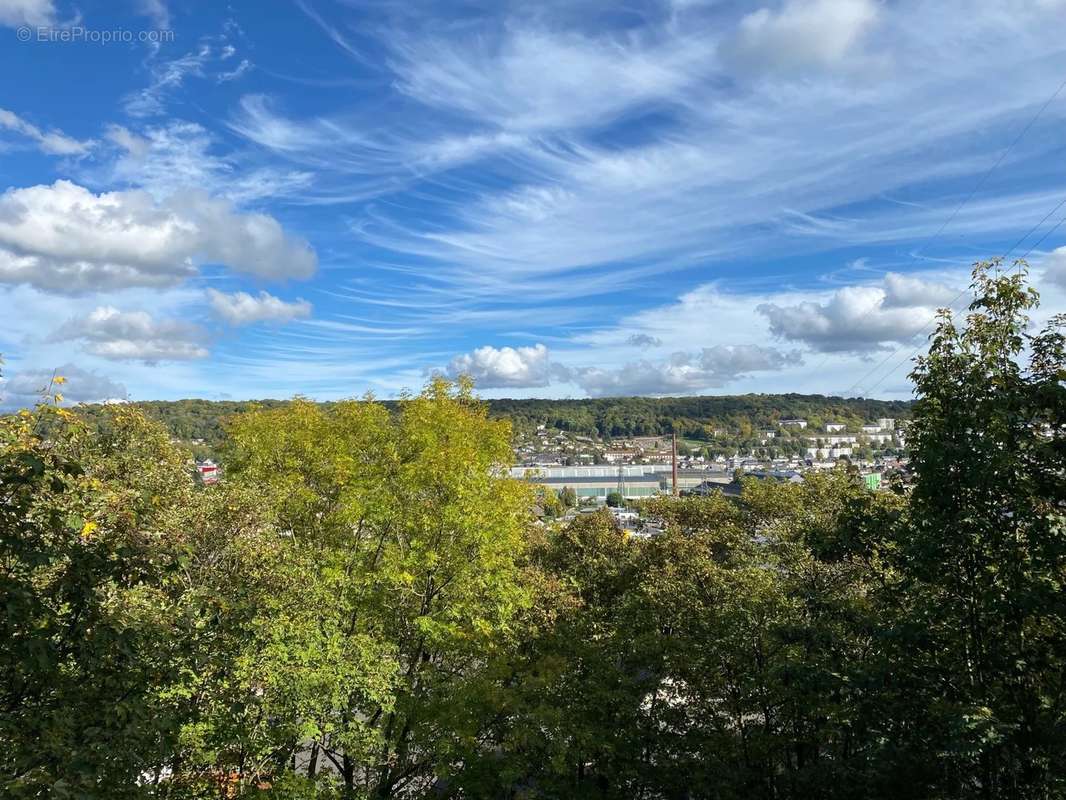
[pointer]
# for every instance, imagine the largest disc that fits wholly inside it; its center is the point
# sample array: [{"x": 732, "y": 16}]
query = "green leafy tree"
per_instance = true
[
  {"x": 550, "y": 503},
  {"x": 417, "y": 536},
  {"x": 985, "y": 556},
  {"x": 565, "y": 701},
  {"x": 86, "y": 557}
]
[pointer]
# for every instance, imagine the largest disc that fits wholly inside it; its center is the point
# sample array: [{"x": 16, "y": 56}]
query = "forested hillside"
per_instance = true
[{"x": 691, "y": 417}]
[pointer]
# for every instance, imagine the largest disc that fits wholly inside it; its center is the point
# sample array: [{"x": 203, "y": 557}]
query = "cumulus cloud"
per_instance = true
[
  {"x": 241, "y": 308},
  {"x": 134, "y": 336},
  {"x": 504, "y": 367},
  {"x": 25, "y": 387},
  {"x": 804, "y": 33},
  {"x": 682, "y": 373},
  {"x": 64, "y": 238},
  {"x": 1055, "y": 267},
  {"x": 860, "y": 319},
  {"x": 27, "y": 12},
  {"x": 54, "y": 143}
]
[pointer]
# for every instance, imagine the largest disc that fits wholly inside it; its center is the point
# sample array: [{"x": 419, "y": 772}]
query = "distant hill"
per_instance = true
[{"x": 614, "y": 417}]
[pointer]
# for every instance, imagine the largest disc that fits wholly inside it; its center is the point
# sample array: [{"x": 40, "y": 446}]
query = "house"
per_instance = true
[
  {"x": 734, "y": 487},
  {"x": 839, "y": 439},
  {"x": 208, "y": 471},
  {"x": 707, "y": 488},
  {"x": 886, "y": 423},
  {"x": 871, "y": 428},
  {"x": 793, "y": 423},
  {"x": 835, "y": 427},
  {"x": 823, "y": 453},
  {"x": 879, "y": 438}
]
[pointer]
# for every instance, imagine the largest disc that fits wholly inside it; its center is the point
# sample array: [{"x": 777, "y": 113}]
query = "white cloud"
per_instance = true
[
  {"x": 64, "y": 238},
  {"x": 644, "y": 340},
  {"x": 241, "y": 308},
  {"x": 167, "y": 76},
  {"x": 504, "y": 367},
  {"x": 1054, "y": 265},
  {"x": 682, "y": 373},
  {"x": 54, "y": 143},
  {"x": 236, "y": 72},
  {"x": 719, "y": 167},
  {"x": 134, "y": 336},
  {"x": 861, "y": 319},
  {"x": 157, "y": 11},
  {"x": 127, "y": 140},
  {"x": 170, "y": 158},
  {"x": 27, "y": 12},
  {"x": 354, "y": 158},
  {"x": 26, "y": 387},
  {"x": 803, "y": 33},
  {"x": 536, "y": 79}
]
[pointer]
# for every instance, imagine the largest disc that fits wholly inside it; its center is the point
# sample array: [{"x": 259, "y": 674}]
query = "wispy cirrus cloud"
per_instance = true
[
  {"x": 52, "y": 142},
  {"x": 27, "y": 12},
  {"x": 715, "y": 172},
  {"x": 172, "y": 157}
]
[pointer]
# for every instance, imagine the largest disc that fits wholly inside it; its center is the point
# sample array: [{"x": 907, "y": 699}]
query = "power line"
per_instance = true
[
  {"x": 947, "y": 222},
  {"x": 1021, "y": 258},
  {"x": 1040, "y": 241},
  {"x": 993, "y": 168}
]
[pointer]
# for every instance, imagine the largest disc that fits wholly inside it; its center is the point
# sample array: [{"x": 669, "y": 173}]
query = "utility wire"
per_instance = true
[
  {"x": 1025, "y": 255},
  {"x": 944, "y": 225}
]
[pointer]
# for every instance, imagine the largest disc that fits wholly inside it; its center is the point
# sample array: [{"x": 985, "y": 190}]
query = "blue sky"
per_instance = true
[{"x": 562, "y": 199}]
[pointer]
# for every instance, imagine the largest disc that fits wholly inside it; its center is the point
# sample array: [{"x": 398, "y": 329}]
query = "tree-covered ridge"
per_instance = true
[
  {"x": 690, "y": 417},
  {"x": 694, "y": 417},
  {"x": 365, "y": 608}
]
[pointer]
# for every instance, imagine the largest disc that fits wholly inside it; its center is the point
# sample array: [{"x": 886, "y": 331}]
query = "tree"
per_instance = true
[
  {"x": 985, "y": 557},
  {"x": 86, "y": 644},
  {"x": 568, "y": 497},
  {"x": 615, "y": 499},
  {"x": 416, "y": 534},
  {"x": 565, "y": 702},
  {"x": 550, "y": 502}
]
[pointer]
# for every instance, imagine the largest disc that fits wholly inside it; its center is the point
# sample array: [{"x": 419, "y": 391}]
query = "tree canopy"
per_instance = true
[{"x": 366, "y": 607}]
